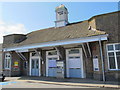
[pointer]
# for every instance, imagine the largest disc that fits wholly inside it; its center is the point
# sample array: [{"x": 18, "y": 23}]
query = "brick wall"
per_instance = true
[{"x": 110, "y": 24}]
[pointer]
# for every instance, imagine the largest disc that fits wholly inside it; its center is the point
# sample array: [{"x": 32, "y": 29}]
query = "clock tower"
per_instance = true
[{"x": 61, "y": 16}]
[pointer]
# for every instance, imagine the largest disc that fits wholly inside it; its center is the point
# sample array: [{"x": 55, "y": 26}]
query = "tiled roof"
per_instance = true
[{"x": 76, "y": 30}]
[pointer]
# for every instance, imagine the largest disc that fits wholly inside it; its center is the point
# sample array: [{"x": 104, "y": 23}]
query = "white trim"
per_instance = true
[
  {"x": 82, "y": 67},
  {"x": 67, "y": 58},
  {"x": 114, "y": 51},
  {"x": 30, "y": 65},
  {"x": 22, "y": 50},
  {"x": 59, "y": 42},
  {"x": 33, "y": 57},
  {"x": 21, "y": 56},
  {"x": 84, "y": 50},
  {"x": 50, "y": 56},
  {"x": 112, "y": 43},
  {"x": 58, "y": 52},
  {"x": 89, "y": 49},
  {"x": 39, "y": 53}
]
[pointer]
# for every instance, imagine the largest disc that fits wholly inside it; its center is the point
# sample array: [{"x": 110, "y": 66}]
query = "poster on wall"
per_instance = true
[
  {"x": 52, "y": 63},
  {"x": 95, "y": 64},
  {"x": 74, "y": 63},
  {"x": 16, "y": 64}
]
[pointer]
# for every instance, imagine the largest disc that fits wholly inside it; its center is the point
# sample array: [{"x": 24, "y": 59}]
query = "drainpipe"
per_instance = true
[{"x": 101, "y": 55}]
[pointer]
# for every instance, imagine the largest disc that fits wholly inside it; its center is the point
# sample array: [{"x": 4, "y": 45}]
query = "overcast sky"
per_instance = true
[{"x": 24, "y": 17}]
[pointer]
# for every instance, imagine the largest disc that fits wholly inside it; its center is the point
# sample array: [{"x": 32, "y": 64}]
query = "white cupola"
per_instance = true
[{"x": 61, "y": 16}]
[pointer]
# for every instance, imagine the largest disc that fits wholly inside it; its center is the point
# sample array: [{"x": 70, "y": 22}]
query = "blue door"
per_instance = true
[
  {"x": 52, "y": 67},
  {"x": 74, "y": 64},
  {"x": 35, "y": 67}
]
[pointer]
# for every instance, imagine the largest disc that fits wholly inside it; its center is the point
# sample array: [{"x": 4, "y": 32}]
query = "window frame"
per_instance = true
[
  {"x": 115, "y": 56},
  {"x": 50, "y": 56},
  {"x": 6, "y": 61}
]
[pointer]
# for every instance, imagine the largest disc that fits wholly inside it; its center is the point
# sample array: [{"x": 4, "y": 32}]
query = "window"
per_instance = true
[
  {"x": 118, "y": 59},
  {"x": 33, "y": 62},
  {"x": 7, "y": 61},
  {"x": 52, "y": 53},
  {"x": 74, "y": 51},
  {"x": 117, "y": 47},
  {"x": 74, "y": 57},
  {"x": 111, "y": 60},
  {"x": 60, "y": 13},
  {"x": 113, "y": 52},
  {"x": 110, "y": 47},
  {"x": 34, "y": 54}
]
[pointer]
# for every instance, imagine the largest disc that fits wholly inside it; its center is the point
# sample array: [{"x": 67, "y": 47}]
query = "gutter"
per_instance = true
[{"x": 57, "y": 43}]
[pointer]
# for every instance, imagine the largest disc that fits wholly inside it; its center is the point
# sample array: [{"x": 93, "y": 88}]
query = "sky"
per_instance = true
[{"x": 25, "y": 17}]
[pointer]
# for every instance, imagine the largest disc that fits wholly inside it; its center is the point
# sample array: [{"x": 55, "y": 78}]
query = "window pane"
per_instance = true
[
  {"x": 52, "y": 53},
  {"x": 111, "y": 60},
  {"x": 110, "y": 47},
  {"x": 8, "y": 63},
  {"x": 37, "y": 64},
  {"x": 74, "y": 51},
  {"x": 77, "y": 57},
  {"x": 34, "y": 54},
  {"x": 117, "y": 47},
  {"x": 33, "y": 64},
  {"x": 52, "y": 59},
  {"x": 74, "y": 57},
  {"x": 55, "y": 59},
  {"x": 7, "y": 60},
  {"x": 118, "y": 59},
  {"x": 6, "y": 55},
  {"x": 111, "y": 54},
  {"x": 71, "y": 57}
]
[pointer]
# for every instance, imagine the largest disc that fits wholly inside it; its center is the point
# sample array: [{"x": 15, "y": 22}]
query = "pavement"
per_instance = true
[
  {"x": 33, "y": 85},
  {"x": 67, "y": 82}
]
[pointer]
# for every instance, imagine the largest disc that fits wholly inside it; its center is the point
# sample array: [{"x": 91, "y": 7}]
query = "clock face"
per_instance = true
[{"x": 60, "y": 13}]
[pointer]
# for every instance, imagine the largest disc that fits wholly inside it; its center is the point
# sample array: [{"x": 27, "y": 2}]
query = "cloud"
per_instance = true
[{"x": 6, "y": 29}]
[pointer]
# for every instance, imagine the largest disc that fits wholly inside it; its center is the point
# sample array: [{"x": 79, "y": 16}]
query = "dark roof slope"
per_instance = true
[{"x": 77, "y": 30}]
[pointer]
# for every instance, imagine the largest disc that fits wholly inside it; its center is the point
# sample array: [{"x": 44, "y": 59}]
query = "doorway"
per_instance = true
[{"x": 35, "y": 64}]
